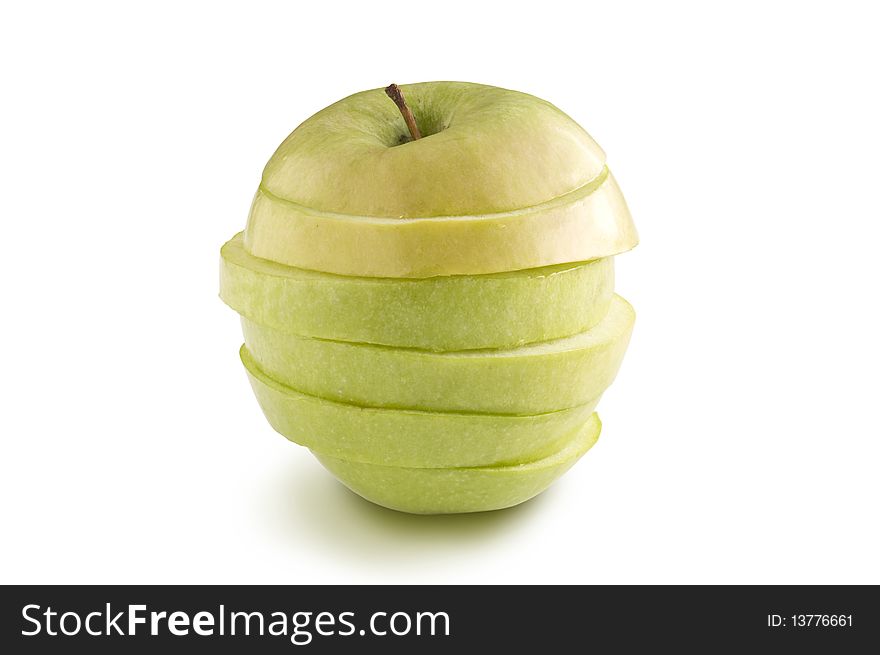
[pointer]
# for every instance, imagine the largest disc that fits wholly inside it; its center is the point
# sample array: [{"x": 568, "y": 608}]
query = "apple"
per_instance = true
[
  {"x": 531, "y": 379},
  {"x": 501, "y": 181},
  {"x": 441, "y": 313},
  {"x": 409, "y": 438},
  {"x": 459, "y": 490},
  {"x": 426, "y": 293}
]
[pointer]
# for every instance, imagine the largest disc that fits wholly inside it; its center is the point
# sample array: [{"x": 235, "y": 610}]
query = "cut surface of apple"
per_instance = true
[
  {"x": 409, "y": 438},
  {"x": 442, "y": 313},
  {"x": 532, "y": 379},
  {"x": 589, "y": 223},
  {"x": 500, "y": 181},
  {"x": 458, "y": 490}
]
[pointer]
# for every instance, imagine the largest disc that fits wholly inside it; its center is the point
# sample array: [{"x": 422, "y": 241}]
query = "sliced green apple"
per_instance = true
[
  {"x": 407, "y": 437},
  {"x": 532, "y": 379},
  {"x": 588, "y": 223},
  {"x": 458, "y": 312},
  {"x": 458, "y": 490}
]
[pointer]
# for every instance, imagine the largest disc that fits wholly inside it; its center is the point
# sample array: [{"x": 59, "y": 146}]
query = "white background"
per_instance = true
[{"x": 741, "y": 441}]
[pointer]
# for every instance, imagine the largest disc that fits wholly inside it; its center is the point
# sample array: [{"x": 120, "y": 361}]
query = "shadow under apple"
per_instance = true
[{"x": 306, "y": 504}]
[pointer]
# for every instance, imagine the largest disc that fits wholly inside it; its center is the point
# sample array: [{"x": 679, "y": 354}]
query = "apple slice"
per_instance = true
[
  {"x": 532, "y": 379},
  {"x": 443, "y": 313},
  {"x": 458, "y": 490},
  {"x": 500, "y": 181},
  {"x": 409, "y": 438},
  {"x": 589, "y": 223}
]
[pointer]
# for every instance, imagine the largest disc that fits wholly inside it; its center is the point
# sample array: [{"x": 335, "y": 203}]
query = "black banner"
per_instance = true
[{"x": 333, "y": 619}]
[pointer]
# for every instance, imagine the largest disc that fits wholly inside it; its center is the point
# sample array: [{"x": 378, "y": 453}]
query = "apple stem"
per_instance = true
[{"x": 393, "y": 91}]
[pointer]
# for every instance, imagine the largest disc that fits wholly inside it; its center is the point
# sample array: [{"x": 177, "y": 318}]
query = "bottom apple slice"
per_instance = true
[
  {"x": 409, "y": 438},
  {"x": 460, "y": 490}
]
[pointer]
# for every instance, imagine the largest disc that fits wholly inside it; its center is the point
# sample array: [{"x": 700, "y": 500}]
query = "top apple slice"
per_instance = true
[{"x": 500, "y": 181}]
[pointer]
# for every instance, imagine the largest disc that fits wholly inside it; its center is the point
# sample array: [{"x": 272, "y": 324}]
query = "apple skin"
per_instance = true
[
  {"x": 485, "y": 150},
  {"x": 409, "y": 438},
  {"x": 460, "y": 490},
  {"x": 457, "y": 312},
  {"x": 540, "y": 377}
]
